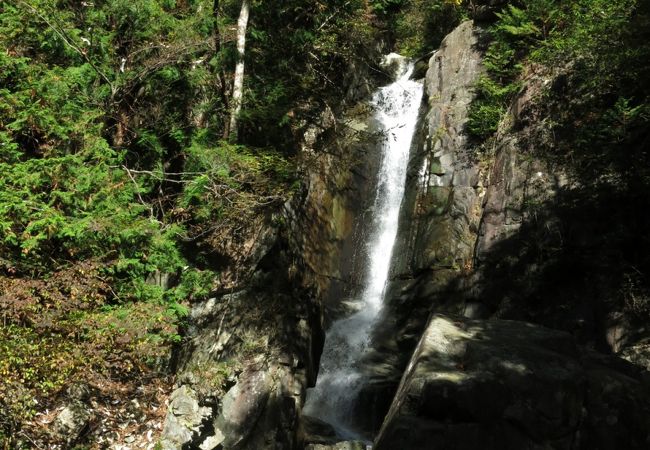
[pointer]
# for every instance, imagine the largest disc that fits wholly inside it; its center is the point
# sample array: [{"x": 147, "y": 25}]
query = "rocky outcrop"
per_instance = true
[
  {"x": 545, "y": 250},
  {"x": 495, "y": 384},
  {"x": 184, "y": 418},
  {"x": 444, "y": 207},
  {"x": 440, "y": 215},
  {"x": 441, "y": 211},
  {"x": 249, "y": 355}
]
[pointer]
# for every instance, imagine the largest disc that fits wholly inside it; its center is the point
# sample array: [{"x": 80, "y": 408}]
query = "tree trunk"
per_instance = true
[
  {"x": 217, "y": 35},
  {"x": 238, "y": 83}
]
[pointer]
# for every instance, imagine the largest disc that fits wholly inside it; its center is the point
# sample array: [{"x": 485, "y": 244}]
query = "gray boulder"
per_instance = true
[
  {"x": 71, "y": 422},
  {"x": 497, "y": 384},
  {"x": 184, "y": 420},
  {"x": 242, "y": 406}
]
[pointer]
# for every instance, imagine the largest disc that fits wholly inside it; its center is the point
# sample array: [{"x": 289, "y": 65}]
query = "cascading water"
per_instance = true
[{"x": 339, "y": 378}]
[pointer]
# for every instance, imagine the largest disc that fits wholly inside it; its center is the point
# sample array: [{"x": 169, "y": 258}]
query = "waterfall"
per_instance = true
[{"x": 339, "y": 380}]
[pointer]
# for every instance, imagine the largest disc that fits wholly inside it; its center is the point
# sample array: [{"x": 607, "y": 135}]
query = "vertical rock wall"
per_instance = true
[{"x": 441, "y": 212}]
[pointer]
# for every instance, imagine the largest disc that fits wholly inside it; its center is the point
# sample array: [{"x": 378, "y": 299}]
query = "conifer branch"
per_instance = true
[{"x": 68, "y": 41}]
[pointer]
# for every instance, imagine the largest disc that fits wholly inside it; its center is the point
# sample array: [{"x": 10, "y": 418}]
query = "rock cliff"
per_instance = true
[{"x": 502, "y": 232}]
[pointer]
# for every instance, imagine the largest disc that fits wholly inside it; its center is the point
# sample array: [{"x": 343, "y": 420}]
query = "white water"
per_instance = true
[{"x": 339, "y": 377}]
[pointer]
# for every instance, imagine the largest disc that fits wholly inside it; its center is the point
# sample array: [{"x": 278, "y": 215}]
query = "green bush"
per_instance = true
[{"x": 421, "y": 25}]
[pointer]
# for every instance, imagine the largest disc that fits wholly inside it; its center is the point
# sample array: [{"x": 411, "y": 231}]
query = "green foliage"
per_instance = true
[
  {"x": 515, "y": 25},
  {"x": 513, "y": 34},
  {"x": 298, "y": 53},
  {"x": 420, "y": 25},
  {"x": 231, "y": 181},
  {"x": 487, "y": 112},
  {"x": 493, "y": 99},
  {"x": 113, "y": 167},
  {"x": 193, "y": 284},
  {"x": 80, "y": 236},
  {"x": 594, "y": 35},
  {"x": 385, "y": 6},
  {"x": 32, "y": 360}
]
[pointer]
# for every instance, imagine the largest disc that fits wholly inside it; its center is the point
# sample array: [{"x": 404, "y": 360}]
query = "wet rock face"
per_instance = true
[
  {"x": 328, "y": 222},
  {"x": 316, "y": 431},
  {"x": 495, "y": 384}
]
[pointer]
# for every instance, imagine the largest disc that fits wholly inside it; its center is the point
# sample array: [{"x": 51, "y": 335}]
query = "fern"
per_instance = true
[{"x": 516, "y": 23}]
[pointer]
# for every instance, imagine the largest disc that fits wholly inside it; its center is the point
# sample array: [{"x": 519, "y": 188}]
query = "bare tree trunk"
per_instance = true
[
  {"x": 238, "y": 83},
  {"x": 217, "y": 35}
]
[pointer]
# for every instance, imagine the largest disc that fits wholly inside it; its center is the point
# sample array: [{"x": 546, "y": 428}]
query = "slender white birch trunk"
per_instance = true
[{"x": 238, "y": 83}]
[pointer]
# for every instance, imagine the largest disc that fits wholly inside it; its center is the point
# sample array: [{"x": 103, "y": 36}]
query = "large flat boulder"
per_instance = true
[{"x": 497, "y": 384}]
